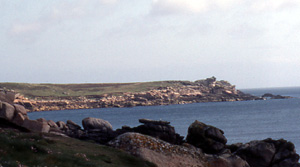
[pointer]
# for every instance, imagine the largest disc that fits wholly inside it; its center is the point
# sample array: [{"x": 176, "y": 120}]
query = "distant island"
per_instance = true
[{"x": 45, "y": 97}]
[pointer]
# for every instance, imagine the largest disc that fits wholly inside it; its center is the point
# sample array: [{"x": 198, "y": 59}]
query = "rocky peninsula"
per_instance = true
[
  {"x": 154, "y": 141},
  {"x": 165, "y": 93}
]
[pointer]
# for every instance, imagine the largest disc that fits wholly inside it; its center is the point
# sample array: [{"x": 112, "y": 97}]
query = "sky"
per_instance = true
[{"x": 250, "y": 43}]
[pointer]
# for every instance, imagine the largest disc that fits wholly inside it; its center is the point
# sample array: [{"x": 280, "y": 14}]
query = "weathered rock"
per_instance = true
[
  {"x": 269, "y": 95},
  {"x": 36, "y": 126},
  {"x": 285, "y": 153},
  {"x": 158, "y": 129},
  {"x": 41, "y": 120},
  {"x": 161, "y": 153},
  {"x": 20, "y": 109},
  {"x": 52, "y": 124},
  {"x": 61, "y": 125},
  {"x": 206, "y": 137},
  {"x": 96, "y": 123},
  {"x": 72, "y": 125},
  {"x": 7, "y": 96},
  {"x": 149, "y": 121},
  {"x": 269, "y": 153},
  {"x": 19, "y": 119},
  {"x": 257, "y": 153},
  {"x": 164, "y": 154},
  {"x": 7, "y": 111},
  {"x": 226, "y": 160}
]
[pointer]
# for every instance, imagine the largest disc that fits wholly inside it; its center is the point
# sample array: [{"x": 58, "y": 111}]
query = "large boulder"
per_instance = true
[
  {"x": 206, "y": 137},
  {"x": 72, "y": 125},
  {"x": 226, "y": 160},
  {"x": 52, "y": 124},
  {"x": 7, "y": 111},
  {"x": 36, "y": 126},
  {"x": 21, "y": 109},
  {"x": 19, "y": 119},
  {"x": 162, "y": 153},
  {"x": 268, "y": 153},
  {"x": 98, "y": 130},
  {"x": 158, "y": 129},
  {"x": 257, "y": 153},
  {"x": 90, "y": 123},
  {"x": 7, "y": 96},
  {"x": 62, "y": 125}
]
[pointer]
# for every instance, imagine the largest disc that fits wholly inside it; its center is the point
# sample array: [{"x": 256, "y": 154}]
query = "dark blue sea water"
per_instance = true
[{"x": 241, "y": 121}]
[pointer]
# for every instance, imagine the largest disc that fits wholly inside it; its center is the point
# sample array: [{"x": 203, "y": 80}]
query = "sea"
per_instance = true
[{"x": 241, "y": 121}]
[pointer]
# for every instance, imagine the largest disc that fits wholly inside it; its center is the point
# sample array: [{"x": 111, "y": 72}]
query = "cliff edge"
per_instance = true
[{"x": 136, "y": 94}]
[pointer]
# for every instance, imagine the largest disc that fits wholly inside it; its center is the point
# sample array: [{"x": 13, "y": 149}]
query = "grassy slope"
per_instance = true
[
  {"x": 57, "y": 90},
  {"x": 48, "y": 150}
]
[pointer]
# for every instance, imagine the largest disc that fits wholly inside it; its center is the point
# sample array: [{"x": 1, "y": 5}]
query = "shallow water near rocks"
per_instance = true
[{"x": 241, "y": 121}]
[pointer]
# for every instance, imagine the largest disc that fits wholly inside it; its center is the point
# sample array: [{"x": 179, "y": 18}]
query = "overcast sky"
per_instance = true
[{"x": 250, "y": 43}]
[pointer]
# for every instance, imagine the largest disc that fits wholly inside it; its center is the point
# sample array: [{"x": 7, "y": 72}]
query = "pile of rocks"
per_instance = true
[
  {"x": 158, "y": 129},
  {"x": 206, "y": 137},
  {"x": 164, "y": 154},
  {"x": 17, "y": 114},
  {"x": 267, "y": 153}
]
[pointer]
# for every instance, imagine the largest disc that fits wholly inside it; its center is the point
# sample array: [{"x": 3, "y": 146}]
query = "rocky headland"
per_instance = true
[
  {"x": 157, "y": 141},
  {"x": 179, "y": 92}
]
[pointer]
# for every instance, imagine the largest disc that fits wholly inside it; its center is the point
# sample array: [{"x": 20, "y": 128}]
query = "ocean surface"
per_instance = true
[{"x": 241, "y": 121}]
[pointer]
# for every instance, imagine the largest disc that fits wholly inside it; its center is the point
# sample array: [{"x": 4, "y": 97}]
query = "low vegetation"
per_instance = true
[
  {"x": 65, "y": 90},
  {"x": 31, "y": 149}
]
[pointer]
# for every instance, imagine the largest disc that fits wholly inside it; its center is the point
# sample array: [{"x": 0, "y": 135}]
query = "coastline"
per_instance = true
[
  {"x": 207, "y": 90},
  {"x": 156, "y": 141}
]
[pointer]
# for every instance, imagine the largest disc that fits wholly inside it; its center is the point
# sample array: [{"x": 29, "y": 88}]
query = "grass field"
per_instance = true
[
  {"x": 64, "y": 90},
  {"x": 31, "y": 149}
]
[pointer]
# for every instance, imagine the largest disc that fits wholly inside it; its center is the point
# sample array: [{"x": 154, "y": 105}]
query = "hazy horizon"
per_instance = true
[{"x": 250, "y": 43}]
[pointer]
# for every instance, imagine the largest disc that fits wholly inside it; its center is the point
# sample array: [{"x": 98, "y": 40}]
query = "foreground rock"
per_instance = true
[
  {"x": 96, "y": 123},
  {"x": 268, "y": 153},
  {"x": 36, "y": 126},
  {"x": 164, "y": 154},
  {"x": 98, "y": 130},
  {"x": 158, "y": 129},
  {"x": 14, "y": 113},
  {"x": 206, "y": 137},
  {"x": 157, "y": 141},
  {"x": 7, "y": 96}
]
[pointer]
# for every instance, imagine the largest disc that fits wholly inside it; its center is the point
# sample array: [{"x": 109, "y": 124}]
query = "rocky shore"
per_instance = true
[
  {"x": 207, "y": 90},
  {"x": 157, "y": 141}
]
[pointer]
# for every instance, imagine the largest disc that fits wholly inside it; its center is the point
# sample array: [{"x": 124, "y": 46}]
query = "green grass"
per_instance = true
[
  {"x": 32, "y": 149},
  {"x": 65, "y": 90}
]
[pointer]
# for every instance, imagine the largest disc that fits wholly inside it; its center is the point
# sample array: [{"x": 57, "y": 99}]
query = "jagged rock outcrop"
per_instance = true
[
  {"x": 7, "y": 96},
  {"x": 14, "y": 113},
  {"x": 206, "y": 137},
  {"x": 268, "y": 153},
  {"x": 7, "y": 111},
  {"x": 98, "y": 130},
  {"x": 271, "y": 96},
  {"x": 158, "y": 129},
  {"x": 164, "y": 154},
  {"x": 36, "y": 126},
  {"x": 161, "y": 153}
]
